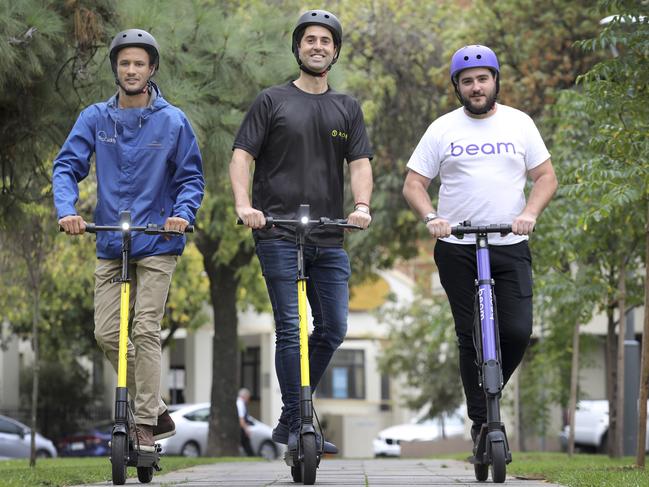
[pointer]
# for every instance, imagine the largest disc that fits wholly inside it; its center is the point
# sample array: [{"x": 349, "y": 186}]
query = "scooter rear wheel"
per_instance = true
[
  {"x": 481, "y": 472},
  {"x": 310, "y": 460},
  {"x": 498, "y": 462},
  {"x": 145, "y": 474},
  {"x": 296, "y": 473},
  {"x": 118, "y": 454}
]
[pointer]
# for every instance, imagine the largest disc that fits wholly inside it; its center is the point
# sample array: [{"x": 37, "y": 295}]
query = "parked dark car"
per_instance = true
[{"x": 93, "y": 442}]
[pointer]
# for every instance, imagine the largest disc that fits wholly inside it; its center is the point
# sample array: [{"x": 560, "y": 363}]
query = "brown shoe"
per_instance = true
[
  {"x": 144, "y": 441},
  {"x": 165, "y": 427}
]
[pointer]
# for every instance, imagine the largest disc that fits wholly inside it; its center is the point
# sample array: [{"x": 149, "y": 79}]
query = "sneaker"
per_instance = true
[
  {"x": 281, "y": 435},
  {"x": 280, "y": 432},
  {"x": 144, "y": 441},
  {"x": 165, "y": 427}
]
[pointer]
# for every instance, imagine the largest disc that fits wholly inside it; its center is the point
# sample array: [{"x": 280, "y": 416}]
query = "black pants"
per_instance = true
[
  {"x": 511, "y": 269},
  {"x": 245, "y": 443}
]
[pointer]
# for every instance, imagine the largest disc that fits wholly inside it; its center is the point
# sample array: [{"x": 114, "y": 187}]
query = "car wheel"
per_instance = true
[
  {"x": 267, "y": 450},
  {"x": 190, "y": 449},
  {"x": 603, "y": 444},
  {"x": 43, "y": 454}
]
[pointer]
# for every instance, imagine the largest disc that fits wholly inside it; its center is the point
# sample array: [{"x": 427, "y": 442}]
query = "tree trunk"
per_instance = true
[
  {"x": 611, "y": 375},
  {"x": 35, "y": 370},
  {"x": 223, "y": 437},
  {"x": 618, "y": 448},
  {"x": 574, "y": 383},
  {"x": 644, "y": 367}
]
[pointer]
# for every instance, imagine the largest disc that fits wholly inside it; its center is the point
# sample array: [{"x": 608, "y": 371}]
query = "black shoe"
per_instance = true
[
  {"x": 281, "y": 435},
  {"x": 475, "y": 431}
]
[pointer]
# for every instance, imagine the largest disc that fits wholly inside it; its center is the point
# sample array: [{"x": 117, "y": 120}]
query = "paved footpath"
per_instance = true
[{"x": 339, "y": 473}]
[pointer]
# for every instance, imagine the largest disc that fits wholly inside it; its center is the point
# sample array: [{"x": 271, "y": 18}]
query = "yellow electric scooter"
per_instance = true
[
  {"x": 124, "y": 444},
  {"x": 304, "y": 462}
]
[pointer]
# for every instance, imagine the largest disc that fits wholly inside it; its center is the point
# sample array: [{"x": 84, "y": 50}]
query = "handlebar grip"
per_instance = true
[
  {"x": 90, "y": 228},
  {"x": 269, "y": 222}
]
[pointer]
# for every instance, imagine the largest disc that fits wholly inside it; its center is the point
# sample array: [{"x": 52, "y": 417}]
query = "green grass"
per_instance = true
[
  {"x": 580, "y": 470},
  {"x": 59, "y": 472}
]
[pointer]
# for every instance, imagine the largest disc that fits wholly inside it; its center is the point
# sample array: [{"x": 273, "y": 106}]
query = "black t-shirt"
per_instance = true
[{"x": 299, "y": 142}]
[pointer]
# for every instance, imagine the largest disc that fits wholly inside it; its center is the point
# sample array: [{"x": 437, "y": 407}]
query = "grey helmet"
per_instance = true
[
  {"x": 134, "y": 38},
  {"x": 318, "y": 17}
]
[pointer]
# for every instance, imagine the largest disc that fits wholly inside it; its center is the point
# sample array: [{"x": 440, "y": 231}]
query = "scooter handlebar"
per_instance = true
[
  {"x": 321, "y": 222},
  {"x": 150, "y": 229},
  {"x": 466, "y": 228}
]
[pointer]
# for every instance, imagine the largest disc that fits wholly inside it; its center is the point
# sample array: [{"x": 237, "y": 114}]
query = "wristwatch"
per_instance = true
[{"x": 429, "y": 217}]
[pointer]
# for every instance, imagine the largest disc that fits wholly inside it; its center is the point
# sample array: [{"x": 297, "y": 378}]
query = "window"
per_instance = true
[
  {"x": 345, "y": 376},
  {"x": 176, "y": 385},
  {"x": 250, "y": 367},
  {"x": 198, "y": 415},
  {"x": 9, "y": 427},
  {"x": 385, "y": 393}
]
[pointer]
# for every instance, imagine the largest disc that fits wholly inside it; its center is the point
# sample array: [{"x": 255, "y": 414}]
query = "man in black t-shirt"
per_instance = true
[{"x": 299, "y": 135}]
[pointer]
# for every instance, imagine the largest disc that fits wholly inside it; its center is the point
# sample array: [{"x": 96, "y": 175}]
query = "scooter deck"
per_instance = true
[{"x": 145, "y": 458}]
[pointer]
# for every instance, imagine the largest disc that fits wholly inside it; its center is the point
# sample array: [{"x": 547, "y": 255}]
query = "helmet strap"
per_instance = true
[
  {"x": 315, "y": 74},
  {"x": 128, "y": 92}
]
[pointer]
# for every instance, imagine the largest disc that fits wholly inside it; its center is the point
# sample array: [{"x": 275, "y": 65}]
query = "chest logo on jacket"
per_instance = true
[
  {"x": 101, "y": 135},
  {"x": 484, "y": 149}
]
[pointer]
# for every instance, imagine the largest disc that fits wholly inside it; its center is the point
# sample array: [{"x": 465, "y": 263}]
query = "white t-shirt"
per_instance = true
[
  {"x": 482, "y": 164},
  {"x": 242, "y": 410}
]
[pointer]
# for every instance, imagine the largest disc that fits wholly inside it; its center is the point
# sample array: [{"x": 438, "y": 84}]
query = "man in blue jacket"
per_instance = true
[{"x": 148, "y": 163}]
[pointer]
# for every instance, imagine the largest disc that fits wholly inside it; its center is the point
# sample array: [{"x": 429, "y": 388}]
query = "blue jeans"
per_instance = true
[{"x": 328, "y": 272}]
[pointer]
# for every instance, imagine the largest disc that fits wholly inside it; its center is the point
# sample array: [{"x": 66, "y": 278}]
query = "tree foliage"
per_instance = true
[{"x": 421, "y": 348}]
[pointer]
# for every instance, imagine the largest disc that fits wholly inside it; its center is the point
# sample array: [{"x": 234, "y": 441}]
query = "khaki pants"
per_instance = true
[{"x": 150, "y": 279}]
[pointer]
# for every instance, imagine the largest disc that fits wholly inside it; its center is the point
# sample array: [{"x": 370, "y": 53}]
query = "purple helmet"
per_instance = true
[{"x": 475, "y": 56}]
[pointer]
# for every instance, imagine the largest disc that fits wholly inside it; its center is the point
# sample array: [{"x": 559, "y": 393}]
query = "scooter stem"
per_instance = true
[{"x": 125, "y": 291}]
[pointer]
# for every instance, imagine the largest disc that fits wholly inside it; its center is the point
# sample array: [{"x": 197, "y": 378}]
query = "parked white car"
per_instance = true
[
  {"x": 192, "y": 426},
  {"x": 591, "y": 427},
  {"x": 388, "y": 441},
  {"x": 15, "y": 441}
]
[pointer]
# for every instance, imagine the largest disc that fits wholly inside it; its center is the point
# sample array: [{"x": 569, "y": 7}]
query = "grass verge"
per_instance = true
[
  {"x": 60, "y": 472},
  {"x": 580, "y": 470}
]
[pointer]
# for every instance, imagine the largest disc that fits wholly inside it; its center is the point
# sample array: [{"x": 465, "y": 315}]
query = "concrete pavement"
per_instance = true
[{"x": 332, "y": 472}]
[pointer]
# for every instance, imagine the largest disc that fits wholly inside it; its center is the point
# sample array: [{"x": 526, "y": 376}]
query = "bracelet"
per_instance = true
[{"x": 362, "y": 207}]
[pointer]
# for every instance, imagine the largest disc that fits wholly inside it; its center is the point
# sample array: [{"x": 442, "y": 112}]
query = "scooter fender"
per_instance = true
[
  {"x": 307, "y": 429},
  {"x": 120, "y": 429},
  {"x": 497, "y": 437}
]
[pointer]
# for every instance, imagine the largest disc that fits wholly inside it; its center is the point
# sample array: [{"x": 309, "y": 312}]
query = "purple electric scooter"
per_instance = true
[{"x": 491, "y": 446}]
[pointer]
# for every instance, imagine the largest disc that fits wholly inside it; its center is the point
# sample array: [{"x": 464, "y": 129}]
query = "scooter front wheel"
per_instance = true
[
  {"x": 498, "y": 462},
  {"x": 145, "y": 474},
  {"x": 309, "y": 463},
  {"x": 118, "y": 458}
]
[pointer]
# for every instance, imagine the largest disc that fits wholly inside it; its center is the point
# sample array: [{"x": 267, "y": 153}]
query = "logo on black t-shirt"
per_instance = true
[{"x": 339, "y": 133}]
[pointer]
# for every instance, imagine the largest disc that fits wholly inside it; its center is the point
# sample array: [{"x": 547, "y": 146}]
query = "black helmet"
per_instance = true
[
  {"x": 135, "y": 38},
  {"x": 318, "y": 17}
]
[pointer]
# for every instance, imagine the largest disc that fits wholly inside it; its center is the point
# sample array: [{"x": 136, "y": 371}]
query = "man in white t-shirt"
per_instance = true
[
  {"x": 483, "y": 153},
  {"x": 244, "y": 421}
]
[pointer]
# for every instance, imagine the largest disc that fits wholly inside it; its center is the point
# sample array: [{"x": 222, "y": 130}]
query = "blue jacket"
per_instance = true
[{"x": 147, "y": 162}]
